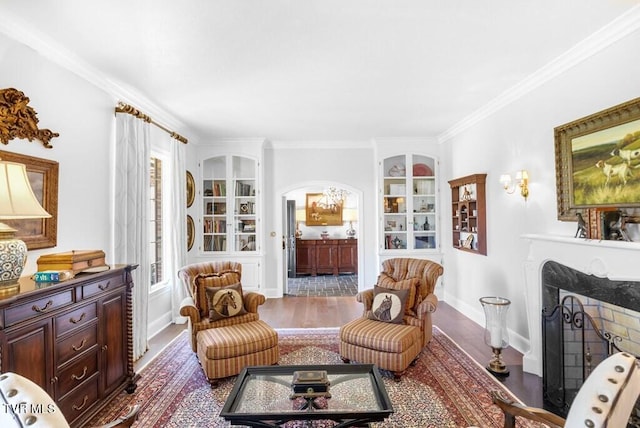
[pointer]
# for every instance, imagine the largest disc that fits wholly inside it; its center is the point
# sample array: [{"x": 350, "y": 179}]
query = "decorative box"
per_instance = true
[
  {"x": 76, "y": 260},
  {"x": 312, "y": 383}
]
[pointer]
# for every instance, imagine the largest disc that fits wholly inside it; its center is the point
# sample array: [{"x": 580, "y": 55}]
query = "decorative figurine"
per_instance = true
[{"x": 582, "y": 227}]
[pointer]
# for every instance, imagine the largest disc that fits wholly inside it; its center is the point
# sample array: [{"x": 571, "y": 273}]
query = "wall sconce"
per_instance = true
[{"x": 522, "y": 177}]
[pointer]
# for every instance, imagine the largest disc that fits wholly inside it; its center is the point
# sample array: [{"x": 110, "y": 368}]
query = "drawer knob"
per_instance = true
[
  {"x": 44, "y": 309},
  {"x": 104, "y": 287},
  {"x": 54, "y": 379},
  {"x": 76, "y": 321},
  {"x": 76, "y": 377},
  {"x": 79, "y": 347},
  {"x": 84, "y": 402}
]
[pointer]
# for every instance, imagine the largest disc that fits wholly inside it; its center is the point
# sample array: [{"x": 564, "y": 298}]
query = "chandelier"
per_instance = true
[{"x": 332, "y": 199}]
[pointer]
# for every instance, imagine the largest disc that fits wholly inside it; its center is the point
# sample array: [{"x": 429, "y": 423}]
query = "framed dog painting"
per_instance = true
[{"x": 598, "y": 161}]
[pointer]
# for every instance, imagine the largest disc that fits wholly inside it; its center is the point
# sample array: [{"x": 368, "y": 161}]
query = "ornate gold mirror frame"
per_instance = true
[{"x": 18, "y": 120}]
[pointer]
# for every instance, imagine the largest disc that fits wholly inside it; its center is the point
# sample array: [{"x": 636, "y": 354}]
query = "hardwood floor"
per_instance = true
[{"x": 317, "y": 312}]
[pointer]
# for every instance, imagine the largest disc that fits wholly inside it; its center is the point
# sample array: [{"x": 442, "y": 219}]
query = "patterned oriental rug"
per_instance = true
[{"x": 446, "y": 388}]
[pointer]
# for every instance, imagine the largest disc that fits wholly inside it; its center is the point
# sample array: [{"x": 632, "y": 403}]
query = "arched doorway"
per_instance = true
[{"x": 294, "y": 217}]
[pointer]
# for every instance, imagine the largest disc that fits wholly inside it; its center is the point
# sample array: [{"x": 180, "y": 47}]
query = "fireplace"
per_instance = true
[
  {"x": 585, "y": 318},
  {"x": 603, "y": 262}
]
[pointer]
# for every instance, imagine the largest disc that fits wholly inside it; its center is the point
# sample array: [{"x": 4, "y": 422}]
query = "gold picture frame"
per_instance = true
[
  {"x": 43, "y": 177},
  {"x": 596, "y": 159},
  {"x": 191, "y": 189},
  {"x": 191, "y": 232},
  {"x": 322, "y": 212}
]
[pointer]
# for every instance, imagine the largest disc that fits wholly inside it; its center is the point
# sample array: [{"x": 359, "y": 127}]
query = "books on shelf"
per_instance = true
[
  {"x": 244, "y": 189},
  {"x": 214, "y": 226}
]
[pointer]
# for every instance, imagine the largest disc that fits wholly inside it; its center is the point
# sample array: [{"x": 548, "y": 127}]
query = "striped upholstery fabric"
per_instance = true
[
  {"x": 225, "y": 351},
  {"x": 191, "y": 306},
  {"x": 197, "y": 276},
  {"x": 394, "y": 346}
]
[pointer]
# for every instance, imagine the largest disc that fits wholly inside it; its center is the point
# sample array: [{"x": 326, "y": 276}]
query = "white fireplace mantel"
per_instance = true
[{"x": 615, "y": 260}]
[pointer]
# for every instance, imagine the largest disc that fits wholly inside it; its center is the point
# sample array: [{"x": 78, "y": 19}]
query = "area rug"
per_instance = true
[{"x": 446, "y": 388}]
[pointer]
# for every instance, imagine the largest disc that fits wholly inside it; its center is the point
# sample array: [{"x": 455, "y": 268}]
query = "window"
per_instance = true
[{"x": 156, "y": 222}]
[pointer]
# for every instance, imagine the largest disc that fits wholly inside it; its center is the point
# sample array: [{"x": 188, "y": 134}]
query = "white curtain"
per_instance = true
[
  {"x": 177, "y": 238},
  {"x": 131, "y": 219}
]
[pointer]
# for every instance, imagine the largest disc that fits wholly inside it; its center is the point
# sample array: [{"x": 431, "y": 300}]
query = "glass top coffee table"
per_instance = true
[{"x": 262, "y": 396}]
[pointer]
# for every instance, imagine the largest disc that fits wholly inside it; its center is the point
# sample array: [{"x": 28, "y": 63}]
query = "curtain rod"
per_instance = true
[{"x": 126, "y": 108}]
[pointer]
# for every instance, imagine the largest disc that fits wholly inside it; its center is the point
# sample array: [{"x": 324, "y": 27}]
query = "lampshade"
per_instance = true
[
  {"x": 17, "y": 200},
  {"x": 301, "y": 214},
  {"x": 349, "y": 214}
]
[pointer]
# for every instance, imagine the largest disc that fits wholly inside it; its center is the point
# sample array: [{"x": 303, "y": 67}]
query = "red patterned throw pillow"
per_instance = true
[
  {"x": 225, "y": 302},
  {"x": 388, "y": 305}
]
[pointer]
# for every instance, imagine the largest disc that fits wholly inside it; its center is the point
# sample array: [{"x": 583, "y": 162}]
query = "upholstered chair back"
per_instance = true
[
  {"x": 426, "y": 271},
  {"x": 192, "y": 274},
  {"x": 200, "y": 278}
]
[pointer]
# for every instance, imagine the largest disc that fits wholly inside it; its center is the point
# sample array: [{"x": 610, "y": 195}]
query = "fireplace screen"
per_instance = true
[{"x": 580, "y": 328}]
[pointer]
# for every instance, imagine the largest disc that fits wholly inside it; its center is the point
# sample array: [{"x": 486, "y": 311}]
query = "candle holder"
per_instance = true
[{"x": 496, "y": 335}]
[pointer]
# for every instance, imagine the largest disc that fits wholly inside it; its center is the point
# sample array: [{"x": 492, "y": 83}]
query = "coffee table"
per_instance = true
[{"x": 261, "y": 397}]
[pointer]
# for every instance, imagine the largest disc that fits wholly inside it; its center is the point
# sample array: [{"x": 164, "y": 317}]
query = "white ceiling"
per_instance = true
[{"x": 301, "y": 70}]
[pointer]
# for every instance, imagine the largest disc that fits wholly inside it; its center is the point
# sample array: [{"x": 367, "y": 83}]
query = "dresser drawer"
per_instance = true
[
  {"x": 107, "y": 284},
  {"x": 76, "y": 373},
  {"x": 79, "y": 400},
  {"x": 75, "y": 319},
  {"x": 76, "y": 344},
  {"x": 34, "y": 308}
]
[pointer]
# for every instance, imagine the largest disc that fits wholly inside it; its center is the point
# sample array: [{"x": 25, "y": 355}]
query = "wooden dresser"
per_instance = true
[
  {"x": 326, "y": 256},
  {"x": 73, "y": 338}
]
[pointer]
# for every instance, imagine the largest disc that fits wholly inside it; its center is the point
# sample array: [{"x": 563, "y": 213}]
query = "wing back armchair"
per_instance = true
[
  {"x": 196, "y": 278},
  {"x": 394, "y": 342}
]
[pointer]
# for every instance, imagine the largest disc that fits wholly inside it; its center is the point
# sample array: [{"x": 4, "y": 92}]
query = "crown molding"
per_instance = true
[
  {"x": 23, "y": 33},
  {"x": 320, "y": 144},
  {"x": 233, "y": 141},
  {"x": 616, "y": 30}
]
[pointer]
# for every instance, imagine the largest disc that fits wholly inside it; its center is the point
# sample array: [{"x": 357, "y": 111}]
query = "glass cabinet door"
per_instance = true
[
  {"x": 244, "y": 203},
  {"x": 229, "y": 219},
  {"x": 214, "y": 200},
  {"x": 409, "y": 211}
]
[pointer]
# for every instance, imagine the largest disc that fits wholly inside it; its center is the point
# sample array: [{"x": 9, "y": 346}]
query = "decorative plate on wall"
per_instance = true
[
  {"x": 191, "y": 232},
  {"x": 191, "y": 189}
]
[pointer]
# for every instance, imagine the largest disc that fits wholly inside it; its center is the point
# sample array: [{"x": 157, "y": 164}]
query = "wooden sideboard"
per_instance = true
[
  {"x": 326, "y": 256},
  {"x": 73, "y": 338}
]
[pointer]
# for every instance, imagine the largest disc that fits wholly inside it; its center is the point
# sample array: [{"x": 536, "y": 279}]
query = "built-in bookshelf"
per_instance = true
[
  {"x": 468, "y": 213},
  {"x": 229, "y": 218},
  {"x": 409, "y": 204}
]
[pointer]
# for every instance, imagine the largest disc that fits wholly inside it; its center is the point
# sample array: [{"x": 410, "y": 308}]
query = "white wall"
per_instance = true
[
  {"x": 83, "y": 116},
  {"x": 289, "y": 167},
  {"x": 520, "y": 136}
]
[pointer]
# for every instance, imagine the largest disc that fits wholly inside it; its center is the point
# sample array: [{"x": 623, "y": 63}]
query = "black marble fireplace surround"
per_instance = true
[{"x": 555, "y": 278}]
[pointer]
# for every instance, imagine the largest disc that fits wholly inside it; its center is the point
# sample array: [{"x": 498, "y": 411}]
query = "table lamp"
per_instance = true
[{"x": 17, "y": 201}]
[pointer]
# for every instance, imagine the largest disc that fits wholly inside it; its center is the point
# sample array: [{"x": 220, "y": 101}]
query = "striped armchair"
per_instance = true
[
  {"x": 195, "y": 306},
  {"x": 394, "y": 346},
  {"x": 226, "y": 337}
]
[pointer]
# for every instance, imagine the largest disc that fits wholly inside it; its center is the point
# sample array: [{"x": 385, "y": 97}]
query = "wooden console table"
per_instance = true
[
  {"x": 326, "y": 256},
  {"x": 73, "y": 338}
]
